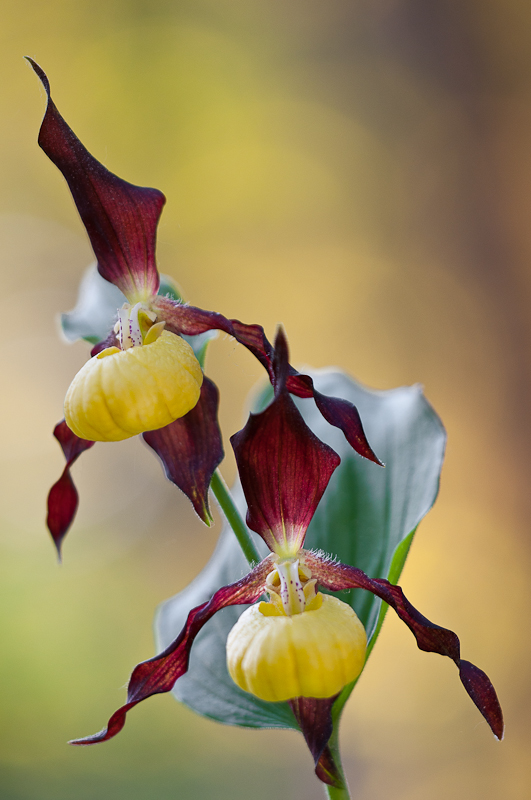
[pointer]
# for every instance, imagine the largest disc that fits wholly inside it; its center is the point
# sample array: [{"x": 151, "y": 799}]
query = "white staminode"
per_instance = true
[
  {"x": 291, "y": 591},
  {"x": 128, "y": 328}
]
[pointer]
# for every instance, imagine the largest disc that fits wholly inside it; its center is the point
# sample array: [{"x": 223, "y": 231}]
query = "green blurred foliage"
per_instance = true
[{"x": 360, "y": 172}]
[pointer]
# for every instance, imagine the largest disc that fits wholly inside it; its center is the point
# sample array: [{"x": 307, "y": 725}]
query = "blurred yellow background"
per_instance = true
[{"x": 360, "y": 171}]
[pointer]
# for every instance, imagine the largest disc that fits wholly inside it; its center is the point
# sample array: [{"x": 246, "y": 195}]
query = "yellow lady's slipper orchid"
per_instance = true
[
  {"x": 121, "y": 393},
  {"x": 121, "y": 222}
]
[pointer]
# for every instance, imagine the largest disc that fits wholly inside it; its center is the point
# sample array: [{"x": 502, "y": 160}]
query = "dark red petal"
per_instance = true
[
  {"x": 63, "y": 496},
  {"x": 315, "y": 721},
  {"x": 430, "y": 637},
  {"x": 191, "y": 448},
  {"x": 345, "y": 416},
  {"x": 188, "y": 320},
  {"x": 120, "y": 218},
  {"x": 483, "y": 694},
  {"x": 284, "y": 469},
  {"x": 340, "y": 413},
  {"x": 158, "y": 675},
  {"x": 62, "y": 506}
]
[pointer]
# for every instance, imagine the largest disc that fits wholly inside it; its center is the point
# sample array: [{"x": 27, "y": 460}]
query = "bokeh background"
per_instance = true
[{"x": 359, "y": 170}]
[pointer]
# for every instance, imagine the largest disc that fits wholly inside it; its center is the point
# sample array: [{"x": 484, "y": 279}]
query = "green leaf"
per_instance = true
[
  {"x": 95, "y": 311},
  {"x": 367, "y": 518}
]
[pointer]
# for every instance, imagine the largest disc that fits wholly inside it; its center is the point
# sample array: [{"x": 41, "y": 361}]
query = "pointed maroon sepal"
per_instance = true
[
  {"x": 120, "y": 218},
  {"x": 63, "y": 497},
  {"x": 430, "y": 637},
  {"x": 314, "y": 717},
  {"x": 191, "y": 448},
  {"x": 158, "y": 675},
  {"x": 284, "y": 468}
]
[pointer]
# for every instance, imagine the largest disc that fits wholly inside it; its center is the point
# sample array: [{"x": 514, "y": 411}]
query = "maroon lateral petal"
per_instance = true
[
  {"x": 345, "y": 416},
  {"x": 63, "y": 497},
  {"x": 191, "y": 448},
  {"x": 181, "y": 318},
  {"x": 158, "y": 674},
  {"x": 190, "y": 321},
  {"x": 430, "y": 637},
  {"x": 120, "y": 218},
  {"x": 338, "y": 412},
  {"x": 315, "y": 721},
  {"x": 284, "y": 468}
]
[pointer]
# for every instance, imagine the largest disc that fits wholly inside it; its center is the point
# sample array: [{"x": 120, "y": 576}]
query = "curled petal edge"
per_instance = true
[{"x": 63, "y": 498}]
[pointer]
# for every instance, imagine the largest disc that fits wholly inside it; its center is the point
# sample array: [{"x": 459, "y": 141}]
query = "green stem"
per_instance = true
[
  {"x": 224, "y": 498},
  {"x": 336, "y": 794},
  {"x": 331, "y": 792}
]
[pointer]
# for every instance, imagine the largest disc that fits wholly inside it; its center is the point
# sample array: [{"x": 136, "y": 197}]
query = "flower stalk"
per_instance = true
[{"x": 223, "y": 496}]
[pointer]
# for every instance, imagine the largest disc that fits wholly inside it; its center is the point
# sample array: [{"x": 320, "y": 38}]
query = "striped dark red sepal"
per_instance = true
[
  {"x": 284, "y": 468},
  {"x": 314, "y": 717}
]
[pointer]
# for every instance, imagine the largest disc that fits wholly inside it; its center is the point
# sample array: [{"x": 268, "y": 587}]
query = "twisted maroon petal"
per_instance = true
[
  {"x": 188, "y": 320},
  {"x": 120, "y": 218},
  {"x": 345, "y": 416},
  {"x": 430, "y": 637},
  {"x": 284, "y": 468},
  {"x": 159, "y": 674},
  {"x": 315, "y": 721},
  {"x": 191, "y": 321},
  {"x": 190, "y": 449},
  {"x": 63, "y": 497},
  {"x": 336, "y": 411}
]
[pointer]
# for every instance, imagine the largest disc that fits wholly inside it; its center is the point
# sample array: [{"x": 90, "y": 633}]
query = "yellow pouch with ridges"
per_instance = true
[{"x": 121, "y": 393}]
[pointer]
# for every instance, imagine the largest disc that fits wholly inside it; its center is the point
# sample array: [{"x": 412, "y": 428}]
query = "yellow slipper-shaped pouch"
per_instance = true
[
  {"x": 312, "y": 654},
  {"x": 121, "y": 393}
]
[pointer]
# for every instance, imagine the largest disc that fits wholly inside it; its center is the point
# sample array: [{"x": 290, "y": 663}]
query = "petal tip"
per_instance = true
[
  {"x": 106, "y": 733},
  {"x": 40, "y": 73}
]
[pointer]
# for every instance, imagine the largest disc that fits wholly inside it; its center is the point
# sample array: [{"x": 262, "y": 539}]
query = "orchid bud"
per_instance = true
[
  {"x": 120, "y": 393},
  {"x": 310, "y": 654}
]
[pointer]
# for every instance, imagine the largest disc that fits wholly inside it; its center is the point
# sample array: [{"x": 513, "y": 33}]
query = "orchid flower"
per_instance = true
[
  {"x": 300, "y": 645},
  {"x": 143, "y": 377}
]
